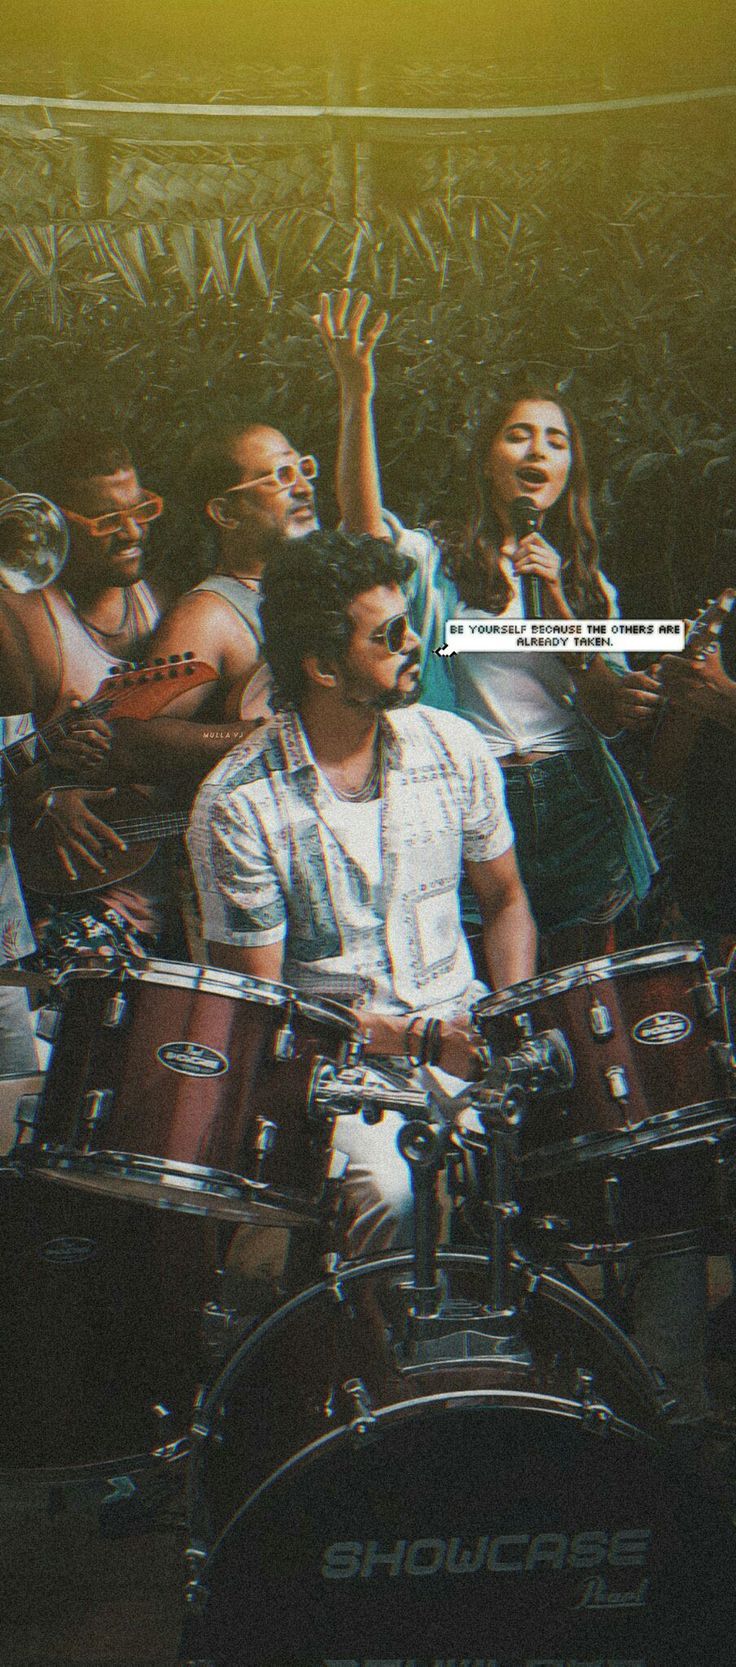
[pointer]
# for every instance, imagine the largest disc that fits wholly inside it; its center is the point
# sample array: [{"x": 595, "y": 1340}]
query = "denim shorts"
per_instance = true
[{"x": 569, "y": 852}]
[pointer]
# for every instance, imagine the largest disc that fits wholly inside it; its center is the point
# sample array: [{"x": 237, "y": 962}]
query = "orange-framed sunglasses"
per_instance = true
[{"x": 105, "y": 526}]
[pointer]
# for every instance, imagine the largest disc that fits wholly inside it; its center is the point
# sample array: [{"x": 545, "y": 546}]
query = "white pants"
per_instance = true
[{"x": 377, "y": 1195}]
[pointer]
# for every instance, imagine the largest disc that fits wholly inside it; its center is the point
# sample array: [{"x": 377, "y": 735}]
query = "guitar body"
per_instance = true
[
  {"x": 41, "y": 871},
  {"x": 131, "y": 812}
]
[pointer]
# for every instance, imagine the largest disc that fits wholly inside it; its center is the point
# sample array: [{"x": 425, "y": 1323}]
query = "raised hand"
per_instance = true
[{"x": 340, "y": 323}]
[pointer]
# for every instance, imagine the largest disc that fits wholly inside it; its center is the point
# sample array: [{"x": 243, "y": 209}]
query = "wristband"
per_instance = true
[{"x": 415, "y": 1058}]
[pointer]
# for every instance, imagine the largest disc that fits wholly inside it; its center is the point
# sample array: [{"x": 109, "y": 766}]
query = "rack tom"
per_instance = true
[
  {"x": 189, "y": 1088},
  {"x": 641, "y": 1145}
]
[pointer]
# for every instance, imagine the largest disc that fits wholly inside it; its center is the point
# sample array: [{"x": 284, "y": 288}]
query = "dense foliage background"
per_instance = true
[{"x": 167, "y": 280}]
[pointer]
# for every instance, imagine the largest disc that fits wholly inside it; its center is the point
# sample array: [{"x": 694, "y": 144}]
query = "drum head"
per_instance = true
[
  {"x": 472, "y": 1513},
  {"x": 462, "y": 1531}
]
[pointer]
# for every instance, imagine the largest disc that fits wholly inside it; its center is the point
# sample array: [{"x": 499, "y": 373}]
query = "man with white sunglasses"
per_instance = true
[{"x": 254, "y": 489}]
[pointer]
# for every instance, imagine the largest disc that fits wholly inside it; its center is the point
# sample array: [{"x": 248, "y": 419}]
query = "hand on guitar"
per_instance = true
[
  {"x": 700, "y": 686},
  {"x": 76, "y": 833},
  {"x": 83, "y": 748},
  {"x": 637, "y": 699}
]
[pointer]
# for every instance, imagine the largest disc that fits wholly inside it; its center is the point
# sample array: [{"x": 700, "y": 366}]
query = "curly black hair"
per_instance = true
[
  {"x": 308, "y": 585},
  {"x": 77, "y": 454}
]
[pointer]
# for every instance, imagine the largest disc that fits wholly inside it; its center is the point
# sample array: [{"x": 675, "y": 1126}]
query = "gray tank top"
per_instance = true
[{"x": 243, "y": 597}]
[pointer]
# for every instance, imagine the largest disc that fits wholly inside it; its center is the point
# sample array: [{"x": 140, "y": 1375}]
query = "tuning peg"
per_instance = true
[{"x": 188, "y": 654}]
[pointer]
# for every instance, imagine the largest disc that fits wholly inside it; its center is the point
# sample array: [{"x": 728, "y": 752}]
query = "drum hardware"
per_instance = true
[
  {"x": 115, "y": 1012},
  {"x": 618, "y": 1084},
  {"x": 195, "y": 1593},
  {"x": 360, "y": 1405},
  {"x": 219, "y": 1324},
  {"x": 612, "y": 1192},
  {"x": 438, "y": 1329},
  {"x": 706, "y": 996},
  {"x": 542, "y": 1065},
  {"x": 284, "y": 1042},
  {"x": 361, "y": 1091},
  {"x": 47, "y": 1023},
  {"x": 725, "y": 1057},
  {"x": 600, "y": 1021},
  {"x": 523, "y": 1022},
  {"x": 263, "y": 1142},
  {"x": 592, "y": 1412},
  {"x": 97, "y": 1106},
  {"x": 26, "y": 1112}
]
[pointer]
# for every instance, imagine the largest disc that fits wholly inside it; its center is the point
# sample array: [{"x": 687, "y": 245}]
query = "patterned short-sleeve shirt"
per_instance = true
[{"x": 270, "y": 864}]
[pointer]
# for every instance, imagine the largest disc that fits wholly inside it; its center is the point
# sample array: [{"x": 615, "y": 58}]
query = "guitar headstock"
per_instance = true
[
  {"x": 709, "y": 624},
  {"x": 141, "y": 691}
]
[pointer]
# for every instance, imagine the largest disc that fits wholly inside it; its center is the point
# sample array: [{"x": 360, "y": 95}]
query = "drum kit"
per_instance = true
[{"x": 442, "y": 1454}]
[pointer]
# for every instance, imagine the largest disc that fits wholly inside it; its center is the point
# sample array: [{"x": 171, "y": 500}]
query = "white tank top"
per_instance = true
[{"x": 83, "y": 662}]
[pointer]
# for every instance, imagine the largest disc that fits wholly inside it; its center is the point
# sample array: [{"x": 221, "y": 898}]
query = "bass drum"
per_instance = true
[{"x": 353, "y": 1500}]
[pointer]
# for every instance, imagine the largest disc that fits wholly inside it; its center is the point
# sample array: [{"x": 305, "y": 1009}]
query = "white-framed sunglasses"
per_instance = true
[{"x": 282, "y": 476}]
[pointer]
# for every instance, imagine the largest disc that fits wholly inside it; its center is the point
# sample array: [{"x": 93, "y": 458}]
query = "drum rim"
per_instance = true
[
  {"x": 580, "y": 973},
  {"x": 91, "y": 1170},
  {"x": 548, "y": 1279},
  {"x": 463, "y": 1400},
  {"x": 686, "y": 1124},
  {"x": 187, "y": 975}
]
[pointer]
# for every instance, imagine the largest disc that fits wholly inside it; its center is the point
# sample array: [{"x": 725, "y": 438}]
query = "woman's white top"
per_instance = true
[{"x": 522, "y": 702}]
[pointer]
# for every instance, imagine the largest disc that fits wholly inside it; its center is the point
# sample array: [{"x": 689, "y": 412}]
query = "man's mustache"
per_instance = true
[{"x": 414, "y": 658}]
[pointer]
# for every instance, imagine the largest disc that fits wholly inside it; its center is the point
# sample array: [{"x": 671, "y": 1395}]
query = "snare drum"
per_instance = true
[
  {"x": 351, "y": 1503},
  {"x": 188, "y": 1088},
  {"x": 640, "y": 1147}
]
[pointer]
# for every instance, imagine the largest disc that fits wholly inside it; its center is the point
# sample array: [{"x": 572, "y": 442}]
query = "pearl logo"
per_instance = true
[
  {"x": 659, "y": 1030},
  {"x": 192, "y": 1059}
]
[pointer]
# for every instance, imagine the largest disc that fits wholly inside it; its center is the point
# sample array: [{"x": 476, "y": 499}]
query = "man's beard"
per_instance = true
[{"x": 383, "y": 700}]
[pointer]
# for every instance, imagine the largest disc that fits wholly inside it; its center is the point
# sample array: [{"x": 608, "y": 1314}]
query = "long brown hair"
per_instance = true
[{"x": 472, "y": 554}]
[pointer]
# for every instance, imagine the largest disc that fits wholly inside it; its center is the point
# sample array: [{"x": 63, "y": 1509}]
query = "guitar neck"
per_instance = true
[
  {"x": 140, "y": 693},
  {"x": 137, "y": 829},
  {"x": 36, "y": 748}
]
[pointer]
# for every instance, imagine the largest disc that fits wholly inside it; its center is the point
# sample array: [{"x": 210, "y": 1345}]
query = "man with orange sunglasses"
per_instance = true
[{"x": 100, "y": 613}]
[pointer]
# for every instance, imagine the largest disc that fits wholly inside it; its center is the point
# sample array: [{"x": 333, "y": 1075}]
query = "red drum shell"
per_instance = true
[
  {"x": 651, "y": 1015},
  {"x": 189, "y": 1087},
  {"x": 641, "y": 1147}
]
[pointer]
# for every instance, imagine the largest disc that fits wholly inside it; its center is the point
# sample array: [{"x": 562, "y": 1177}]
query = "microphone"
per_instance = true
[{"x": 526, "y": 518}]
